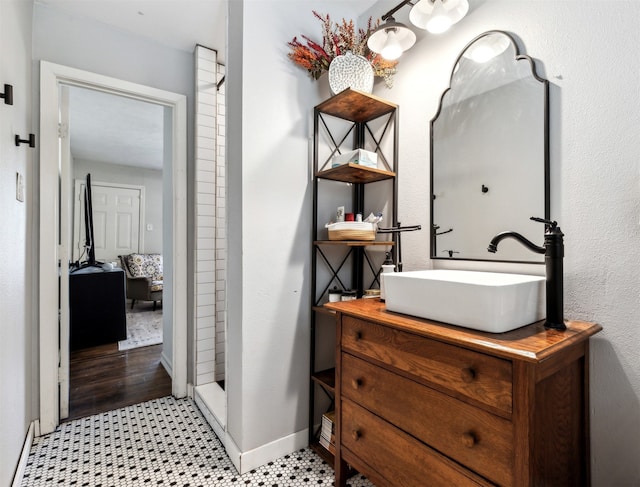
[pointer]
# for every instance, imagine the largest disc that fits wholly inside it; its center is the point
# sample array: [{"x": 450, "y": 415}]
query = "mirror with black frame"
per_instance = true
[{"x": 490, "y": 154}]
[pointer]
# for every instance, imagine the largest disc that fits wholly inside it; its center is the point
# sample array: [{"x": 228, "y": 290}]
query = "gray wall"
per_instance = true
[
  {"x": 18, "y": 345},
  {"x": 270, "y": 104},
  {"x": 86, "y": 44}
]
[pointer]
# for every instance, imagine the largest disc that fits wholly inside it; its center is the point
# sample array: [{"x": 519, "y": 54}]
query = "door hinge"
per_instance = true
[
  {"x": 59, "y": 362},
  {"x": 63, "y": 130}
]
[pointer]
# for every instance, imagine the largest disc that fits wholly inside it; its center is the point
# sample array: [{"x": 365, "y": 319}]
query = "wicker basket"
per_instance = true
[{"x": 352, "y": 231}]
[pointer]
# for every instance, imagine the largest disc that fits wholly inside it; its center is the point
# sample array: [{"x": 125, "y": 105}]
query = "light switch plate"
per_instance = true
[{"x": 19, "y": 187}]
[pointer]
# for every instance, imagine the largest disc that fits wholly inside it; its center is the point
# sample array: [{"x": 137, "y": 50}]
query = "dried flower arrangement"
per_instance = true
[{"x": 337, "y": 39}]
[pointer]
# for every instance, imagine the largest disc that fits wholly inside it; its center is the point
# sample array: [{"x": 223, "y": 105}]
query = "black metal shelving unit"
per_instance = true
[{"x": 349, "y": 120}]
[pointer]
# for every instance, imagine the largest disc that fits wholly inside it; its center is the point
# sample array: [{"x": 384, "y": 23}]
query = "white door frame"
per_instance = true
[
  {"x": 64, "y": 249},
  {"x": 51, "y": 76}
]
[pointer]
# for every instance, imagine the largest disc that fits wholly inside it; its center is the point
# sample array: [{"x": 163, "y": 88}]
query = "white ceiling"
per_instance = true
[
  {"x": 114, "y": 129},
  {"x": 180, "y": 24}
]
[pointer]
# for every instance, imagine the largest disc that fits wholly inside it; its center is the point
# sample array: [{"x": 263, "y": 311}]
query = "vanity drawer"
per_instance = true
[
  {"x": 463, "y": 373},
  {"x": 402, "y": 460},
  {"x": 471, "y": 436}
]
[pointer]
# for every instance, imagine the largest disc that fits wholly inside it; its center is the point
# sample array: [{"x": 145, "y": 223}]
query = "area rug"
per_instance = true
[{"x": 144, "y": 327}]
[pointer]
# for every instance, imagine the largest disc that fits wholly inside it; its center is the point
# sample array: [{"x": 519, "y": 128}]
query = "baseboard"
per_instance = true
[
  {"x": 247, "y": 461},
  {"x": 24, "y": 456},
  {"x": 233, "y": 451},
  {"x": 207, "y": 408}
]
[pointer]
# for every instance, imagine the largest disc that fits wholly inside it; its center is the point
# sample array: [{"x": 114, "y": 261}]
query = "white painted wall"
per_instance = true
[
  {"x": 588, "y": 52},
  {"x": 269, "y": 111},
  {"x": 80, "y": 42},
  {"x": 17, "y": 363}
]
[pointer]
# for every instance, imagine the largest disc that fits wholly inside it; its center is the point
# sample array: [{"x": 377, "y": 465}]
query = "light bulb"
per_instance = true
[
  {"x": 439, "y": 24},
  {"x": 440, "y": 20},
  {"x": 392, "y": 48},
  {"x": 437, "y": 16}
]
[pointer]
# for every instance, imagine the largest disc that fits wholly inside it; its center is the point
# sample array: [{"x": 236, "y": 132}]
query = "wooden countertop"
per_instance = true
[{"x": 533, "y": 343}]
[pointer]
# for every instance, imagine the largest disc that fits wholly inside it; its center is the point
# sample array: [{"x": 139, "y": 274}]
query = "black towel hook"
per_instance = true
[
  {"x": 31, "y": 140},
  {"x": 7, "y": 95}
]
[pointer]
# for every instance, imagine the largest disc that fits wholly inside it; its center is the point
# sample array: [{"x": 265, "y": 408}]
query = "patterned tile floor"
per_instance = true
[{"x": 162, "y": 442}]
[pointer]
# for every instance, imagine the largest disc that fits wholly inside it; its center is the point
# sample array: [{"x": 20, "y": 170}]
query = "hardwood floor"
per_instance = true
[{"x": 104, "y": 378}]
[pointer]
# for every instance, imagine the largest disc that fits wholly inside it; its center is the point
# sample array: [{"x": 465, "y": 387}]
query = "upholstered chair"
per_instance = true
[{"x": 144, "y": 277}]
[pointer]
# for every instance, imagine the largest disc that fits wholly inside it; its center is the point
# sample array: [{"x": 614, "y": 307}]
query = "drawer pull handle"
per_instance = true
[
  {"x": 355, "y": 434},
  {"x": 357, "y": 335},
  {"x": 468, "y": 374},
  {"x": 356, "y": 383},
  {"x": 469, "y": 440}
]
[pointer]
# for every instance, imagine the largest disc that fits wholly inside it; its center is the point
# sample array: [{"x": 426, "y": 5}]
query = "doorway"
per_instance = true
[
  {"x": 119, "y": 142},
  {"x": 55, "y": 242}
]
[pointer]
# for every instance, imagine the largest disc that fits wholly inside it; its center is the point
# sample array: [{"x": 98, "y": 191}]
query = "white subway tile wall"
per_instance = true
[
  {"x": 221, "y": 231},
  {"x": 210, "y": 261}
]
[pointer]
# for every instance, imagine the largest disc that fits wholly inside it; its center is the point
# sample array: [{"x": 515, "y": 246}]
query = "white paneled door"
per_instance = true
[{"x": 117, "y": 220}]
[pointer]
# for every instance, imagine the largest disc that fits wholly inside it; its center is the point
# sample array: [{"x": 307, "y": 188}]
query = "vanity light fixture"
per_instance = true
[
  {"x": 392, "y": 38},
  {"x": 437, "y": 16}
]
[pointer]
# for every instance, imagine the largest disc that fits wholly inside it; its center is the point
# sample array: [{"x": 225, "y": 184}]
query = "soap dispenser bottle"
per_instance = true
[{"x": 387, "y": 266}]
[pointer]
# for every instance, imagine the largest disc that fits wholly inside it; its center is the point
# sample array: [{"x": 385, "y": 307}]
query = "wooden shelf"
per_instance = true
[
  {"x": 354, "y": 243},
  {"x": 326, "y": 379},
  {"x": 355, "y": 173},
  {"x": 356, "y": 106},
  {"x": 322, "y": 309},
  {"x": 328, "y": 457},
  {"x": 323, "y": 453},
  {"x": 349, "y": 120}
]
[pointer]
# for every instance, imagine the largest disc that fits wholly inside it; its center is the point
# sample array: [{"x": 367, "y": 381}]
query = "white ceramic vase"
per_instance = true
[{"x": 350, "y": 71}]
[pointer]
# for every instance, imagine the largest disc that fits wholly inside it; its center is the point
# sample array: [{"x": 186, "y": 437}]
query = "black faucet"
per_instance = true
[{"x": 553, "y": 251}]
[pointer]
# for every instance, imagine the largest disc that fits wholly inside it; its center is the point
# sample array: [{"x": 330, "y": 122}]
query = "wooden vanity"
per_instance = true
[{"x": 421, "y": 403}]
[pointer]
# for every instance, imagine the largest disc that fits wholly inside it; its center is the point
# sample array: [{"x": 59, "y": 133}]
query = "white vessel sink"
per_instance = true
[{"x": 486, "y": 301}]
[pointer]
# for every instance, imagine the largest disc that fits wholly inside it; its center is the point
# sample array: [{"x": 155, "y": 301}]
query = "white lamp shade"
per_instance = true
[
  {"x": 391, "y": 39},
  {"x": 437, "y": 16}
]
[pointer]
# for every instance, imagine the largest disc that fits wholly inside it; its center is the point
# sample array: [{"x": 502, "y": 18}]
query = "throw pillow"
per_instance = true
[{"x": 145, "y": 265}]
